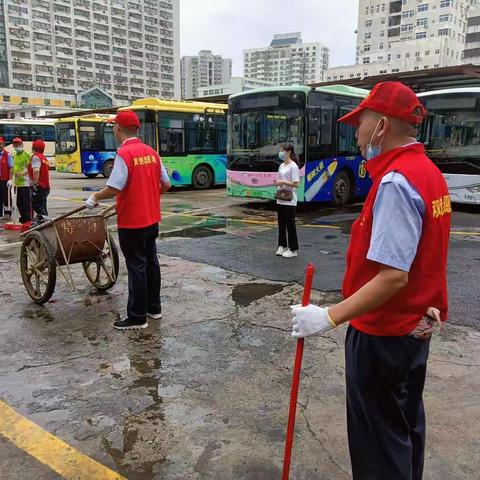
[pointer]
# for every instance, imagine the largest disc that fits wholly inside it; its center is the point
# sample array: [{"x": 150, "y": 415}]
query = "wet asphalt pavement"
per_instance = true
[{"x": 203, "y": 393}]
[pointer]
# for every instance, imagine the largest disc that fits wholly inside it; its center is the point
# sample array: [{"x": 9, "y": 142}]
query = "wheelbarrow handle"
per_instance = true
[{"x": 51, "y": 222}]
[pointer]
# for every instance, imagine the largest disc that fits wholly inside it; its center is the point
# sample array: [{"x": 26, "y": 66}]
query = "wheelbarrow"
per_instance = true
[{"x": 62, "y": 242}]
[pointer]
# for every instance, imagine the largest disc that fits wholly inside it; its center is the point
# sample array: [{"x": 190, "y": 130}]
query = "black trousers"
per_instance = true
[
  {"x": 140, "y": 252},
  {"x": 286, "y": 224},
  {"x": 385, "y": 377},
  {"x": 3, "y": 195},
  {"x": 24, "y": 204},
  {"x": 39, "y": 201}
]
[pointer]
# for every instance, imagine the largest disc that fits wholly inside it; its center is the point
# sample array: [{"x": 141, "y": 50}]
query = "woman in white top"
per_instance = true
[{"x": 287, "y": 181}]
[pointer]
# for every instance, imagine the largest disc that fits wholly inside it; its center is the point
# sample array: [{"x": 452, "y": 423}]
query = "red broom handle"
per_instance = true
[{"x": 309, "y": 272}]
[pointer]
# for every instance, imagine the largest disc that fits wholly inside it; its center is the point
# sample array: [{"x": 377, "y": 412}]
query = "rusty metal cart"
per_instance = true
[{"x": 63, "y": 241}]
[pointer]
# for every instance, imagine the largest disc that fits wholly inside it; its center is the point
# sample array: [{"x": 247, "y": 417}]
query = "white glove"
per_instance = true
[
  {"x": 10, "y": 183},
  {"x": 91, "y": 202},
  {"x": 310, "y": 320}
]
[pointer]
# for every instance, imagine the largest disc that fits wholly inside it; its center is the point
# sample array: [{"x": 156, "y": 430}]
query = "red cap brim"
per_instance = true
[{"x": 352, "y": 118}]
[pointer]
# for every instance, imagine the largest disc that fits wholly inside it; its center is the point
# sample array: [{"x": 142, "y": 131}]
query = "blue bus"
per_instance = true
[
  {"x": 85, "y": 145},
  {"x": 331, "y": 166}
]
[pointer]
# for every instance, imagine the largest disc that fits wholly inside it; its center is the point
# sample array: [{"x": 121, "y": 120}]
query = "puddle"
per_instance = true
[
  {"x": 192, "y": 232},
  {"x": 345, "y": 224},
  {"x": 247, "y": 293}
]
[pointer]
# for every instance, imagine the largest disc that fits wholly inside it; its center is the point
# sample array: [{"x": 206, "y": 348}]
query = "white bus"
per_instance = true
[
  {"x": 29, "y": 130},
  {"x": 451, "y": 134}
]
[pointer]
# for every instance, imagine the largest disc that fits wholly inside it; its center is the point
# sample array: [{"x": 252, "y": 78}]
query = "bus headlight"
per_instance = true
[{"x": 474, "y": 189}]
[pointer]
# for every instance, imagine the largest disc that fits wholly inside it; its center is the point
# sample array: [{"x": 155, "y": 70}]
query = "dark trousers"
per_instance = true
[
  {"x": 39, "y": 201},
  {"x": 24, "y": 204},
  {"x": 286, "y": 224},
  {"x": 140, "y": 252},
  {"x": 3, "y": 195},
  {"x": 385, "y": 377}
]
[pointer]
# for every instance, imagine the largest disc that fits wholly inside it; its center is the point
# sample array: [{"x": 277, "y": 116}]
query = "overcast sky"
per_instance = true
[{"x": 227, "y": 27}]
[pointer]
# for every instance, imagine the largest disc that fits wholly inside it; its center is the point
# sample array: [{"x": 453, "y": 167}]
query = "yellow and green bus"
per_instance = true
[
  {"x": 85, "y": 145},
  {"x": 190, "y": 137}
]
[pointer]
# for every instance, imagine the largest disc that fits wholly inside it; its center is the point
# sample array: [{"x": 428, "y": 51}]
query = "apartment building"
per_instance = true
[
  {"x": 472, "y": 40},
  {"x": 203, "y": 70},
  {"x": 287, "y": 61},
  {"x": 130, "y": 48},
  {"x": 407, "y": 35}
]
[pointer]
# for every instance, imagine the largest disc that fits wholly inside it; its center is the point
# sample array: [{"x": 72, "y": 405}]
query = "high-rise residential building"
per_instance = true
[
  {"x": 472, "y": 40},
  {"x": 130, "y": 48},
  {"x": 203, "y": 70},
  {"x": 236, "y": 85},
  {"x": 407, "y": 35},
  {"x": 287, "y": 61}
]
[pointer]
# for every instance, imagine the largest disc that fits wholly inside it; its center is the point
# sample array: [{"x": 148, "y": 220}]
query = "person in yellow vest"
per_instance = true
[{"x": 21, "y": 181}]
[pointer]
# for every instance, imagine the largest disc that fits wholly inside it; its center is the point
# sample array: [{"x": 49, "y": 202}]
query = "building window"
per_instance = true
[
  {"x": 423, "y": 7},
  {"x": 408, "y": 13},
  {"x": 425, "y": 66},
  {"x": 444, "y": 18},
  {"x": 446, "y": 3},
  {"x": 395, "y": 70},
  {"x": 417, "y": 54},
  {"x": 427, "y": 52},
  {"x": 366, "y": 48},
  {"x": 422, "y": 22},
  {"x": 436, "y": 65},
  {"x": 416, "y": 68},
  {"x": 407, "y": 27},
  {"x": 381, "y": 46},
  {"x": 368, "y": 23},
  {"x": 368, "y": 35},
  {"x": 444, "y": 32},
  {"x": 366, "y": 59},
  {"x": 399, "y": 55},
  {"x": 420, "y": 35},
  {"x": 437, "y": 51},
  {"x": 382, "y": 21}
]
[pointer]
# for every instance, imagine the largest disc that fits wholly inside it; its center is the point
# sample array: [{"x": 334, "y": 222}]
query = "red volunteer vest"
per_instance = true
[
  {"x": 138, "y": 204},
  {"x": 427, "y": 279},
  {"x": 44, "y": 177},
  {"x": 4, "y": 168}
]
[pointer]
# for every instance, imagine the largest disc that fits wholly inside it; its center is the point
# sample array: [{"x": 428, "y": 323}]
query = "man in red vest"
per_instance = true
[
  {"x": 137, "y": 180},
  {"x": 396, "y": 271},
  {"x": 38, "y": 169},
  {"x": 6, "y": 171}
]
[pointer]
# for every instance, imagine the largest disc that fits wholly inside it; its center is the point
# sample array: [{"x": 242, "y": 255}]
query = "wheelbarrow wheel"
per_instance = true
[
  {"x": 102, "y": 271},
  {"x": 38, "y": 267}
]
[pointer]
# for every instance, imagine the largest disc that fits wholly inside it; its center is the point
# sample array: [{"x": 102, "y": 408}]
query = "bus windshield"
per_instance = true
[
  {"x": 66, "y": 140},
  {"x": 453, "y": 128},
  {"x": 259, "y": 124}
]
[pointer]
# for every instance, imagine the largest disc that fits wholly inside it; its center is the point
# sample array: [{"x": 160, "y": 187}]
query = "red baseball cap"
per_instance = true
[
  {"x": 393, "y": 99},
  {"x": 38, "y": 145},
  {"x": 17, "y": 140},
  {"x": 2, "y": 140},
  {"x": 127, "y": 118}
]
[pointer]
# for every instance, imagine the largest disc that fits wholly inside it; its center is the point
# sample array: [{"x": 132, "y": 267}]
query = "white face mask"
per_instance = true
[
  {"x": 374, "y": 151},
  {"x": 19, "y": 149}
]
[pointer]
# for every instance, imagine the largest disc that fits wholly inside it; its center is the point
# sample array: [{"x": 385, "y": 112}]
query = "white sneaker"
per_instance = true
[
  {"x": 280, "y": 251},
  {"x": 154, "y": 316},
  {"x": 289, "y": 254}
]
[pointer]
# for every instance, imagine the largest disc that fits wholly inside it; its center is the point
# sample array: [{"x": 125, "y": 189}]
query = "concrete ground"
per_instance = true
[{"x": 203, "y": 393}]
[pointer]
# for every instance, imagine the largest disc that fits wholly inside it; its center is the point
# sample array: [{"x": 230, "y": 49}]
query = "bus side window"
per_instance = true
[
  {"x": 201, "y": 137},
  {"x": 346, "y": 141},
  {"x": 172, "y": 137},
  {"x": 320, "y": 130}
]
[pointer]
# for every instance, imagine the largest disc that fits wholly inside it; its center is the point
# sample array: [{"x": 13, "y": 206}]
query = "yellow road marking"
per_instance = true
[{"x": 60, "y": 457}]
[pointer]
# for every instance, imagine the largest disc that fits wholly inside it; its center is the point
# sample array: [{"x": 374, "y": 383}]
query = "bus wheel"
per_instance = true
[
  {"x": 342, "y": 188},
  {"x": 202, "y": 177},
  {"x": 107, "y": 168},
  {"x": 91, "y": 175}
]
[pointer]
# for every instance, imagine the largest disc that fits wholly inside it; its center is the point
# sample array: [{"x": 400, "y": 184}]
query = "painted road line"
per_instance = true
[{"x": 48, "y": 449}]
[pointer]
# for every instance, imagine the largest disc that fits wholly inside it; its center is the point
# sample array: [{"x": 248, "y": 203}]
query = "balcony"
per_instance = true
[{"x": 395, "y": 6}]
